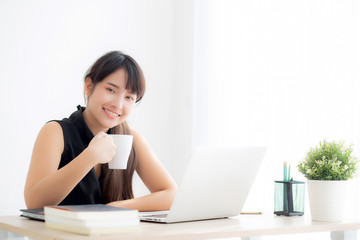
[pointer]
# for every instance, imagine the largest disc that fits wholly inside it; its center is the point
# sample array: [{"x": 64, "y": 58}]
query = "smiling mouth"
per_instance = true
[{"x": 112, "y": 114}]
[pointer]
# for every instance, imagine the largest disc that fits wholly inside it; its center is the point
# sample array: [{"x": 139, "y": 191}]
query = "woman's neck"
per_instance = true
[{"x": 92, "y": 123}]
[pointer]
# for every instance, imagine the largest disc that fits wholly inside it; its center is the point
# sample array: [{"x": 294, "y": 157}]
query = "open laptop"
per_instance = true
[{"x": 215, "y": 185}]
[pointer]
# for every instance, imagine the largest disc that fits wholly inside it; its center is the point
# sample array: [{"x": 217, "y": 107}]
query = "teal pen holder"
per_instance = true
[{"x": 289, "y": 198}]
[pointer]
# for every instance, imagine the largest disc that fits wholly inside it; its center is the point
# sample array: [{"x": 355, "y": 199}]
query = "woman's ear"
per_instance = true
[{"x": 88, "y": 86}]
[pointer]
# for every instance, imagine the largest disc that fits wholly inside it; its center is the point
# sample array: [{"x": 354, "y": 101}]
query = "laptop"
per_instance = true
[{"x": 215, "y": 185}]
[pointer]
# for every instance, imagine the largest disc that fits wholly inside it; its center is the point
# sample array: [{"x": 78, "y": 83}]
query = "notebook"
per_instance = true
[
  {"x": 215, "y": 185},
  {"x": 35, "y": 214}
]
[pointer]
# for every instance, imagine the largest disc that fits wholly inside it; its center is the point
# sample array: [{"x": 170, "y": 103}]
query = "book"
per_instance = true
[
  {"x": 92, "y": 230},
  {"x": 90, "y": 211},
  {"x": 113, "y": 222},
  {"x": 92, "y": 219},
  {"x": 35, "y": 214}
]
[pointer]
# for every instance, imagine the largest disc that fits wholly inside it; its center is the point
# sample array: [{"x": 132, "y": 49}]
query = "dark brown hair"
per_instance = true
[{"x": 117, "y": 184}]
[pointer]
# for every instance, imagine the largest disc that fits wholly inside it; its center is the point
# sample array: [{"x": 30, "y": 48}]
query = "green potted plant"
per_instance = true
[{"x": 327, "y": 167}]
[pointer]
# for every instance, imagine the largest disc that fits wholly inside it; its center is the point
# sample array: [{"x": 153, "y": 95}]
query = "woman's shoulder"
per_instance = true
[
  {"x": 66, "y": 124},
  {"x": 70, "y": 131},
  {"x": 51, "y": 128},
  {"x": 135, "y": 133},
  {"x": 139, "y": 140},
  {"x": 51, "y": 134}
]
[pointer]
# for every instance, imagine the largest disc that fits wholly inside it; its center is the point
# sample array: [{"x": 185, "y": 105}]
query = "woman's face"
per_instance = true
[{"x": 109, "y": 102}]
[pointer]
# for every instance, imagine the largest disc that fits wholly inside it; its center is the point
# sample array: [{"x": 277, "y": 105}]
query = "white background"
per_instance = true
[
  {"x": 284, "y": 74},
  {"x": 46, "y": 48}
]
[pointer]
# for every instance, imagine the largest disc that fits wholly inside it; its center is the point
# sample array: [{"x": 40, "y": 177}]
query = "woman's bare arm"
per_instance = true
[{"x": 45, "y": 184}]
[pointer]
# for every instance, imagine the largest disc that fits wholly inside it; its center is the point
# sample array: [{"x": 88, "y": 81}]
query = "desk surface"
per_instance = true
[{"x": 240, "y": 226}]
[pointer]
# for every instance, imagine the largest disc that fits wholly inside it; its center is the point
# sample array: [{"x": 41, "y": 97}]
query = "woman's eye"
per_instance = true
[
  {"x": 130, "y": 98},
  {"x": 110, "y": 90}
]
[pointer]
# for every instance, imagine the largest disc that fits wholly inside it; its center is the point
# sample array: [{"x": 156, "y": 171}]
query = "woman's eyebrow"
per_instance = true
[{"x": 113, "y": 85}]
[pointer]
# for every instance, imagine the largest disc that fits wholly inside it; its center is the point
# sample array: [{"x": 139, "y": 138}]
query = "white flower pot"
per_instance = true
[{"x": 327, "y": 199}]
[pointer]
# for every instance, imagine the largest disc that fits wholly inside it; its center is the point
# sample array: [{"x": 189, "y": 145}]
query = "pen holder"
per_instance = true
[{"x": 289, "y": 198}]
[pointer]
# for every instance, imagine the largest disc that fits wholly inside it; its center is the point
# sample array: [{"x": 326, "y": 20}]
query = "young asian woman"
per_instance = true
[{"x": 69, "y": 163}]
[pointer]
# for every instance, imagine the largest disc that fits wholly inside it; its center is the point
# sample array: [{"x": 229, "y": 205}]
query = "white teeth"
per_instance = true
[{"x": 111, "y": 113}]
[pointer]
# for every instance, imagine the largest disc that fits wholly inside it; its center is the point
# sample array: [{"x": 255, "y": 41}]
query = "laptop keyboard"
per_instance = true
[{"x": 163, "y": 215}]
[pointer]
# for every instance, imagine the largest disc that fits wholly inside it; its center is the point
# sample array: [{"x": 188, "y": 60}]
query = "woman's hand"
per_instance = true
[{"x": 102, "y": 148}]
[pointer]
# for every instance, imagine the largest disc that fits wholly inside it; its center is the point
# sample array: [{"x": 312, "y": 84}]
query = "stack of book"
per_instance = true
[{"x": 93, "y": 219}]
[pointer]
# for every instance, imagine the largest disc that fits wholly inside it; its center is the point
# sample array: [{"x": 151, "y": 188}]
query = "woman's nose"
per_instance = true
[{"x": 118, "y": 102}]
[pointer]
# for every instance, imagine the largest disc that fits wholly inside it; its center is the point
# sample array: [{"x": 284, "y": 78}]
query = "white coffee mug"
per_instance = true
[{"x": 123, "y": 147}]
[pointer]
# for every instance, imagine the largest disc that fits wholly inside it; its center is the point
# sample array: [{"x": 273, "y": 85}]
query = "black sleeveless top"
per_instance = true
[{"x": 77, "y": 137}]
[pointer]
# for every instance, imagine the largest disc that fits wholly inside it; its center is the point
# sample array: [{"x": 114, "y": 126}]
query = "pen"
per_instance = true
[
  {"x": 251, "y": 213},
  {"x": 285, "y": 171},
  {"x": 288, "y": 175}
]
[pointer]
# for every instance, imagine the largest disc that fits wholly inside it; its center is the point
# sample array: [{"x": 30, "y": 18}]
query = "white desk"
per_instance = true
[{"x": 244, "y": 226}]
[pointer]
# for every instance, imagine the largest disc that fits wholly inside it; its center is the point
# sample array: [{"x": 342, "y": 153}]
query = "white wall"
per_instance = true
[
  {"x": 47, "y": 46},
  {"x": 284, "y": 74}
]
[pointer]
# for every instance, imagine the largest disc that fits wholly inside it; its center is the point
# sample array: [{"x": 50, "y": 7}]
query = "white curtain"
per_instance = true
[{"x": 282, "y": 74}]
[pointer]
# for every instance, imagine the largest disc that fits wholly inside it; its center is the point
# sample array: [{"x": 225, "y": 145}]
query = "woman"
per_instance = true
[{"x": 70, "y": 156}]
